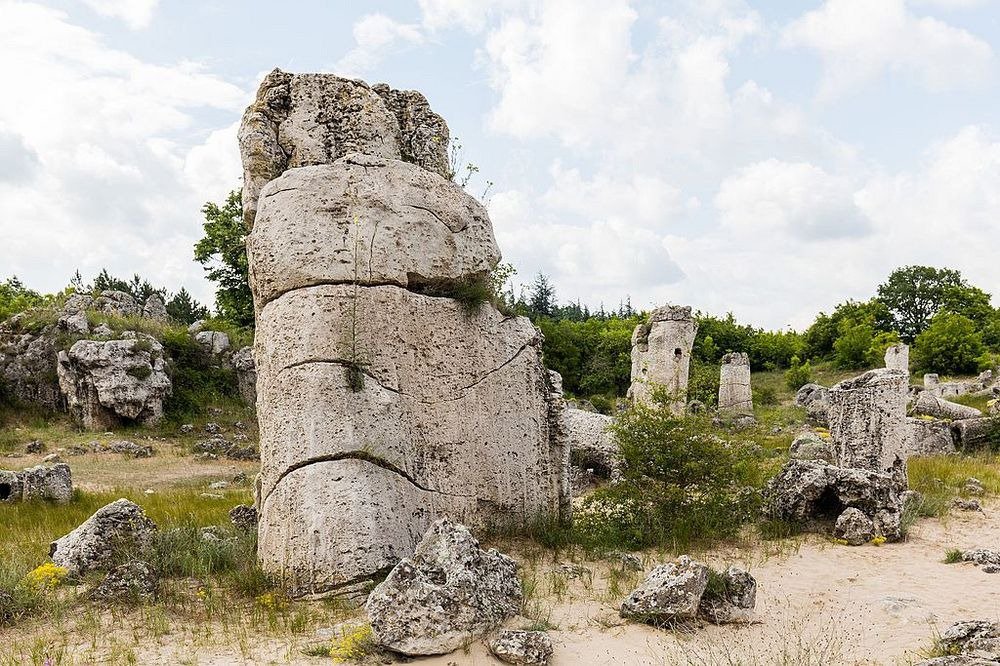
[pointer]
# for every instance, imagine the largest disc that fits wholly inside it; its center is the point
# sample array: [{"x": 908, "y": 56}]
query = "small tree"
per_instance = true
[
  {"x": 542, "y": 300},
  {"x": 15, "y": 298},
  {"x": 798, "y": 375},
  {"x": 223, "y": 252},
  {"x": 183, "y": 308},
  {"x": 950, "y": 345}
]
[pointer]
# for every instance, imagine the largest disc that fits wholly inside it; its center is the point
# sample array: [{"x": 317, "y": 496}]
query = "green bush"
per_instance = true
[
  {"x": 680, "y": 483},
  {"x": 197, "y": 381},
  {"x": 703, "y": 383},
  {"x": 949, "y": 345},
  {"x": 764, "y": 396},
  {"x": 798, "y": 375}
]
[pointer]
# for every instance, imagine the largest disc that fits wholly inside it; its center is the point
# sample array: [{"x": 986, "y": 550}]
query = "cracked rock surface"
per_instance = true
[{"x": 386, "y": 397}]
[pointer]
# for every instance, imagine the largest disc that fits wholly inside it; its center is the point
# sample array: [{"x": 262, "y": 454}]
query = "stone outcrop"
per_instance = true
[
  {"x": 213, "y": 342},
  {"x": 930, "y": 405},
  {"x": 969, "y": 643},
  {"x": 449, "y": 592},
  {"x": 300, "y": 120},
  {"x": 53, "y": 483},
  {"x": 735, "y": 396},
  {"x": 815, "y": 494},
  {"x": 868, "y": 422},
  {"x": 810, "y": 446},
  {"x": 121, "y": 526},
  {"x": 107, "y": 384},
  {"x": 897, "y": 357},
  {"x": 816, "y": 400},
  {"x": 155, "y": 309},
  {"x": 515, "y": 646},
  {"x": 246, "y": 374},
  {"x": 28, "y": 366},
  {"x": 661, "y": 357},
  {"x": 384, "y": 402},
  {"x": 972, "y": 434}
]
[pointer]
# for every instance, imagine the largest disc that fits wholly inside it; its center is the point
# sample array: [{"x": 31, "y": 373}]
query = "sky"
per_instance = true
[{"x": 769, "y": 158}]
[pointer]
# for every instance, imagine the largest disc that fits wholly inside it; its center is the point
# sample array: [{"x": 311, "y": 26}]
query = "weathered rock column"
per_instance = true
[
  {"x": 735, "y": 396},
  {"x": 384, "y": 403},
  {"x": 897, "y": 357},
  {"x": 661, "y": 356},
  {"x": 868, "y": 422}
]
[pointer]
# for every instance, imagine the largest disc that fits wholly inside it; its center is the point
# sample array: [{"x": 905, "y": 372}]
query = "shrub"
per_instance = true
[
  {"x": 950, "y": 345},
  {"x": 703, "y": 383},
  {"x": 798, "y": 375},
  {"x": 679, "y": 483},
  {"x": 197, "y": 381},
  {"x": 765, "y": 396}
]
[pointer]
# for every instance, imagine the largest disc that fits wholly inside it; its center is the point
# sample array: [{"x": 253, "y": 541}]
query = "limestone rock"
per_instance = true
[
  {"x": 130, "y": 449},
  {"x": 121, "y": 526},
  {"x": 110, "y": 383},
  {"x": 854, "y": 527},
  {"x": 868, "y": 421},
  {"x": 52, "y": 483},
  {"x": 243, "y": 517},
  {"x": 661, "y": 356},
  {"x": 734, "y": 601},
  {"x": 513, "y": 646},
  {"x": 128, "y": 583},
  {"x": 810, "y": 446},
  {"x": 448, "y": 592},
  {"x": 972, "y": 434},
  {"x": 27, "y": 367},
  {"x": 213, "y": 342},
  {"x": 816, "y": 400},
  {"x": 897, "y": 357},
  {"x": 246, "y": 374},
  {"x": 591, "y": 444},
  {"x": 930, "y": 438},
  {"x": 975, "y": 638},
  {"x": 116, "y": 303},
  {"x": 814, "y": 493},
  {"x": 929, "y": 405},
  {"x": 306, "y": 119},
  {"x": 75, "y": 323},
  {"x": 735, "y": 396},
  {"x": 373, "y": 221},
  {"x": 155, "y": 309},
  {"x": 671, "y": 592}
]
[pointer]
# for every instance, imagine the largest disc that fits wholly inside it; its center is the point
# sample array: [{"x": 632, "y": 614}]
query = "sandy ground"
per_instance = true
[{"x": 818, "y": 603}]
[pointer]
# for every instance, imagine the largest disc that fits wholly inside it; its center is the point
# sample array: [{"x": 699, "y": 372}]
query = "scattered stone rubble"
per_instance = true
[
  {"x": 447, "y": 593},
  {"x": 384, "y": 403},
  {"x": 661, "y": 356}
]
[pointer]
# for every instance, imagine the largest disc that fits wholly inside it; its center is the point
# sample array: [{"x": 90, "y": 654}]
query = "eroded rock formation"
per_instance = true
[
  {"x": 897, "y": 357},
  {"x": 661, "y": 356},
  {"x": 53, "y": 483},
  {"x": 735, "y": 396},
  {"x": 868, "y": 422},
  {"x": 384, "y": 402}
]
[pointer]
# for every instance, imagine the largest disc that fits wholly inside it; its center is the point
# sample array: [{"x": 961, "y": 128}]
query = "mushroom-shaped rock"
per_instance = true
[
  {"x": 121, "y": 526},
  {"x": 449, "y": 592},
  {"x": 515, "y": 646},
  {"x": 671, "y": 592}
]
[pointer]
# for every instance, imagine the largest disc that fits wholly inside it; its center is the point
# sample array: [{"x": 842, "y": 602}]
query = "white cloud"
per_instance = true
[
  {"x": 135, "y": 13},
  {"x": 123, "y": 166},
  {"x": 954, "y": 4},
  {"x": 860, "y": 40},
  {"x": 375, "y": 36}
]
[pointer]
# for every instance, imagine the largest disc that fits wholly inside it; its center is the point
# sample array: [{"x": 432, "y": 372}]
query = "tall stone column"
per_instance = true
[
  {"x": 661, "y": 356},
  {"x": 735, "y": 396},
  {"x": 897, "y": 357},
  {"x": 868, "y": 422}
]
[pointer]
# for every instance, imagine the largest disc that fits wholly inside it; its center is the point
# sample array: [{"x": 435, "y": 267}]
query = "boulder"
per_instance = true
[
  {"x": 155, "y": 309},
  {"x": 117, "y": 528},
  {"x": 299, "y": 120},
  {"x": 243, "y": 517},
  {"x": 513, "y": 646},
  {"x": 975, "y": 638},
  {"x": 117, "y": 303},
  {"x": 449, "y": 592},
  {"x": 74, "y": 323},
  {"x": 854, "y": 527},
  {"x": 246, "y": 374},
  {"x": 370, "y": 221},
  {"x": 735, "y": 396},
  {"x": 930, "y": 438},
  {"x": 591, "y": 444},
  {"x": 816, "y": 400},
  {"x": 117, "y": 382},
  {"x": 130, "y": 582},
  {"x": 27, "y": 366},
  {"x": 930, "y": 405},
  {"x": 213, "y": 342},
  {"x": 130, "y": 449},
  {"x": 868, "y": 422},
  {"x": 897, "y": 357},
  {"x": 810, "y": 446},
  {"x": 53, "y": 483},
  {"x": 671, "y": 592},
  {"x": 731, "y": 599},
  {"x": 971, "y": 434},
  {"x": 815, "y": 494},
  {"x": 661, "y": 357}
]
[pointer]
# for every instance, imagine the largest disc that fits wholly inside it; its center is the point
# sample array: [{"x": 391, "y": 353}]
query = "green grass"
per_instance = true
[
  {"x": 939, "y": 479},
  {"x": 953, "y": 556},
  {"x": 979, "y": 402}
]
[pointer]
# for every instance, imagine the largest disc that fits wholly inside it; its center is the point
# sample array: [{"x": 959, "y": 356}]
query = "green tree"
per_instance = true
[
  {"x": 949, "y": 345},
  {"x": 183, "y": 308},
  {"x": 15, "y": 298},
  {"x": 914, "y": 294},
  {"x": 542, "y": 300},
  {"x": 223, "y": 253},
  {"x": 852, "y": 349}
]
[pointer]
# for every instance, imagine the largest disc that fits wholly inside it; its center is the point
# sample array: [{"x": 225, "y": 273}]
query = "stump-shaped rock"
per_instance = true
[
  {"x": 929, "y": 438},
  {"x": 246, "y": 374},
  {"x": 119, "y": 527},
  {"x": 930, "y": 405},
  {"x": 591, "y": 443},
  {"x": 735, "y": 395},
  {"x": 868, "y": 422},
  {"x": 449, "y": 592},
  {"x": 897, "y": 357},
  {"x": 661, "y": 357},
  {"x": 52, "y": 483}
]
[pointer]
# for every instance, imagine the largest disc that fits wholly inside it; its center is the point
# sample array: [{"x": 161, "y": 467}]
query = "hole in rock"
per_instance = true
[
  {"x": 678, "y": 353},
  {"x": 5, "y": 491},
  {"x": 828, "y": 506}
]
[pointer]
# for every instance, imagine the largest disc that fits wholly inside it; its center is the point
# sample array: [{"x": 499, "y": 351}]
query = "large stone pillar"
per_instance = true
[
  {"x": 384, "y": 401},
  {"x": 735, "y": 396},
  {"x": 868, "y": 422},
  {"x": 661, "y": 356},
  {"x": 897, "y": 357}
]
